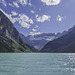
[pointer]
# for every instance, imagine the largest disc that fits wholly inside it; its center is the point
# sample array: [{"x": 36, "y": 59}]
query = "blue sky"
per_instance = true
[{"x": 40, "y": 16}]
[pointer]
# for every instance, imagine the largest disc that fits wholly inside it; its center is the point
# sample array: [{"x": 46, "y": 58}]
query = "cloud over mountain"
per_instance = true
[
  {"x": 35, "y": 33},
  {"x": 22, "y": 19}
]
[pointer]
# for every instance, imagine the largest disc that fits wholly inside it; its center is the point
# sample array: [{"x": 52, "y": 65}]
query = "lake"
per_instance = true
[{"x": 37, "y": 64}]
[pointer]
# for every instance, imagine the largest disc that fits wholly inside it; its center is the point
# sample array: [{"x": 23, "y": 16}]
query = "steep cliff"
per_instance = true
[{"x": 9, "y": 33}]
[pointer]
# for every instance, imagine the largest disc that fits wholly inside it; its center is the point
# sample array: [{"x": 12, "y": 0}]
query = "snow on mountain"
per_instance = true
[{"x": 42, "y": 39}]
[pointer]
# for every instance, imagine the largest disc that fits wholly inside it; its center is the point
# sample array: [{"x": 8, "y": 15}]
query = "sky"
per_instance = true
[{"x": 31, "y": 17}]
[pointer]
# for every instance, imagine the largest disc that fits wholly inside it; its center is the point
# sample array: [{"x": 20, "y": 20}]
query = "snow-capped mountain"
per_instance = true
[{"x": 38, "y": 41}]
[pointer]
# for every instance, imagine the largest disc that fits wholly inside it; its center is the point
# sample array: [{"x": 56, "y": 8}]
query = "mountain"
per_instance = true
[
  {"x": 38, "y": 41},
  {"x": 28, "y": 43},
  {"x": 25, "y": 39},
  {"x": 10, "y": 40},
  {"x": 65, "y": 43}
]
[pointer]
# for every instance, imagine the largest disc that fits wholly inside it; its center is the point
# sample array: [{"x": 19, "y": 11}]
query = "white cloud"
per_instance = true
[
  {"x": 51, "y": 2},
  {"x": 32, "y": 11},
  {"x": 34, "y": 30},
  {"x": 60, "y": 18},
  {"x": 22, "y": 19},
  {"x": 25, "y": 21},
  {"x": 35, "y": 33},
  {"x": 24, "y": 24},
  {"x": 36, "y": 16},
  {"x": 25, "y": 18},
  {"x": 23, "y": 2},
  {"x": 43, "y": 18},
  {"x": 14, "y": 13},
  {"x": 13, "y": 20},
  {"x": 11, "y": 5},
  {"x": 15, "y": 4},
  {"x": 9, "y": 16},
  {"x": 3, "y": 2},
  {"x": 36, "y": 26},
  {"x": 29, "y": 3}
]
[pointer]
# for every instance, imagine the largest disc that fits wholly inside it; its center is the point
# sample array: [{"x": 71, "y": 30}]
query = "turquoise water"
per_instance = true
[{"x": 37, "y": 64}]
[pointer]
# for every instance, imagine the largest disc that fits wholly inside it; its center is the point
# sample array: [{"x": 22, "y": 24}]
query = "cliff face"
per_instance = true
[
  {"x": 7, "y": 29},
  {"x": 9, "y": 36}
]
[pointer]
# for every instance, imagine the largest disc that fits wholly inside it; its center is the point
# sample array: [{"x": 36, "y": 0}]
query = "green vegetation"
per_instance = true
[{"x": 8, "y": 45}]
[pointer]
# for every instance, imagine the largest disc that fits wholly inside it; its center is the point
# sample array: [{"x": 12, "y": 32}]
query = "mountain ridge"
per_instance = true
[
  {"x": 40, "y": 40},
  {"x": 9, "y": 33},
  {"x": 63, "y": 43}
]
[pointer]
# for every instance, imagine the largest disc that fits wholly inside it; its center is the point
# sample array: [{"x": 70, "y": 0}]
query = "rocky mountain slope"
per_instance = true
[
  {"x": 10, "y": 40},
  {"x": 25, "y": 39},
  {"x": 65, "y": 43},
  {"x": 28, "y": 42},
  {"x": 40, "y": 40}
]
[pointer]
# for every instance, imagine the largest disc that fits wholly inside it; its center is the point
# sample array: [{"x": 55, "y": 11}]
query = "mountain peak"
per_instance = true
[
  {"x": 9, "y": 36},
  {"x": 65, "y": 43}
]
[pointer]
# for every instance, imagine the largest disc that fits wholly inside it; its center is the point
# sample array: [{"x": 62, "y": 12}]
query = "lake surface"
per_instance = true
[{"x": 37, "y": 64}]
